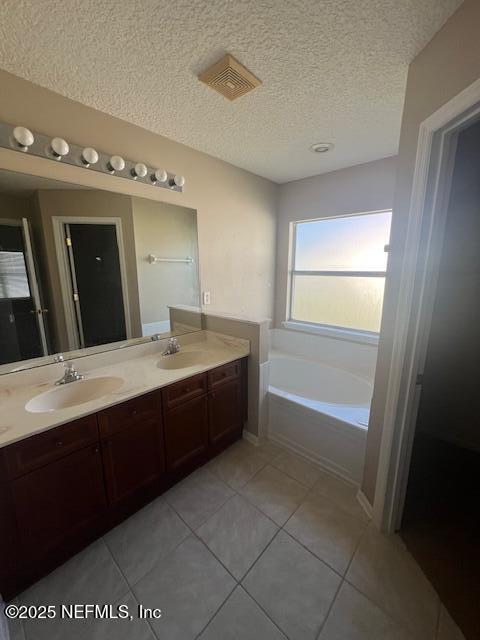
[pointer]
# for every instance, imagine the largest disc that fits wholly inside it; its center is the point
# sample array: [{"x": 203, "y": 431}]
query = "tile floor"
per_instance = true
[{"x": 258, "y": 544}]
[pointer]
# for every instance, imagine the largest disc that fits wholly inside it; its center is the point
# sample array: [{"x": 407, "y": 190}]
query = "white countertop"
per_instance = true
[{"x": 136, "y": 365}]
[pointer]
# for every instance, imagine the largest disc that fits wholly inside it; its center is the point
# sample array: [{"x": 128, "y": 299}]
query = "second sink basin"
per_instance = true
[
  {"x": 184, "y": 359},
  {"x": 73, "y": 393}
]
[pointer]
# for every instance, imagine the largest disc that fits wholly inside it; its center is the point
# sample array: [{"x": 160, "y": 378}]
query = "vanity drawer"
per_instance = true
[
  {"x": 39, "y": 450},
  {"x": 225, "y": 373},
  {"x": 135, "y": 411},
  {"x": 185, "y": 390}
]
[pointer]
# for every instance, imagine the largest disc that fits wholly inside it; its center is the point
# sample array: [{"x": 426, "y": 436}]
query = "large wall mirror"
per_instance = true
[{"x": 84, "y": 270}]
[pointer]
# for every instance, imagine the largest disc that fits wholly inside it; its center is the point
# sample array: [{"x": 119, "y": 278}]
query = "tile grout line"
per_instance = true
[
  {"x": 390, "y": 616},
  {"x": 238, "y": 582},
  {"x": 342, "y": 576},
  {"x": 104, "y": 538},
  {"x": 210, "y": 516},
  {"x": 280, "y": 528},
  {"x": 263, "y": 610},
  {"x": 308, "y": 487},
  {"x": 219, "y": 560},
  {"x": 266, "y": 614},
  {"x": 192, "y": 532},
  {"x": 130, "y": 587},
  {"x": 222, "y": 604},
  {"x": 251, "y": 595},
  {"x": 341, "y": 584},
  {"x": 195, "y": 534}
]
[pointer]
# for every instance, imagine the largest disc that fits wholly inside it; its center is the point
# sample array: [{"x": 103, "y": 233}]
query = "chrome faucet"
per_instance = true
[
  {"x": 70, "y": 375},
  {"x": 172, "y": 347}
]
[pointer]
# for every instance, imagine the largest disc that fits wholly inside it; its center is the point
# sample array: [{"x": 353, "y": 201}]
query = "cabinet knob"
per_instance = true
[{"x": 59, "y": 443}]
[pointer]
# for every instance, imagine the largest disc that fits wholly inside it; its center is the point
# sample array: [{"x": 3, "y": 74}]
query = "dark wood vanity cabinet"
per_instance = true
[
  {"x": 202, "y": 416},
  {"x": 132, "y": 450},
  {"x": 225, "y": 404},
  {"x": 53, "y": 495},
  {"x": 58, "y": 503},
  {"x": 61, "y": 489},
  {"x": 185, "y": 413},
  {"x": 186, "y": 435}
]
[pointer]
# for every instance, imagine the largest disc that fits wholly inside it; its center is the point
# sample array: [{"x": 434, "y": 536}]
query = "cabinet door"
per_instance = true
[
  {"x": 55, "y": 503},
  {"x": 225, "y": 412},
  {"x": 186, "y": 434},
  {"x": 133, "y": 460}
]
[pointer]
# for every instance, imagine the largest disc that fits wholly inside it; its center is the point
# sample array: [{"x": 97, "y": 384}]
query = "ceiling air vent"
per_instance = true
[{"x": 230, "y": 78}]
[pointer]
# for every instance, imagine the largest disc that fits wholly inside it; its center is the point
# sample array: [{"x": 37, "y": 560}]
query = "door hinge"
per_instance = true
[
  {"x": 386, "y": 248},
  {"x": 419, "y": 380},
  {"x": 68, "y": 242},
  {"x": 75, "y": 297}
]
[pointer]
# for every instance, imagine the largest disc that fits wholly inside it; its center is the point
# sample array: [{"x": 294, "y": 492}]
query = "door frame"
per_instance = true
[
  {"x": 419, "y": 274},
  {"x": 58, "y": 223},
  {"x": 32, "y": 271}
]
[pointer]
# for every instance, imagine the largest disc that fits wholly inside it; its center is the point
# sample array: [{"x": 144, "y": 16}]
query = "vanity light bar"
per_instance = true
[{"x": 22, "y": 139}]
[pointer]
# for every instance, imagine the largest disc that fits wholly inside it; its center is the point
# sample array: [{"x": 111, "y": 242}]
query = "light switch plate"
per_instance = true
[{"x": 206, "y": 297}]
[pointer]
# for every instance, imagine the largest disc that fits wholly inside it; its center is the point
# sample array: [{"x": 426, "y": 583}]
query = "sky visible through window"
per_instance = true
[
  {"x": 345, "y": 245},
  {"x": 353, "y": 243}
]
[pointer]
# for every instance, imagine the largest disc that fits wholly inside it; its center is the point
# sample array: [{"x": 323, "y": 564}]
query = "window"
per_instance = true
[
  {"x": 13, "y": 275},
  {"x": 338, "y": 271}
]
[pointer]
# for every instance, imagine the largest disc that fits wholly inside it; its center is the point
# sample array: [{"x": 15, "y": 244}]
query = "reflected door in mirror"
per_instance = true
[{"x": 96, "y": 282}]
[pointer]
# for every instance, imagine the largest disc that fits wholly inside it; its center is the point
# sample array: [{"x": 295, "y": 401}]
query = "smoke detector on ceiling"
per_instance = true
[
  {"x": 322, "y": 147},
  {"x": 230, "y": 78}
]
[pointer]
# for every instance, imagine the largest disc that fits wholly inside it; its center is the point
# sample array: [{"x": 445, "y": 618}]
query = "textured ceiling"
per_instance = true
[{"x": 332, "y": 70}]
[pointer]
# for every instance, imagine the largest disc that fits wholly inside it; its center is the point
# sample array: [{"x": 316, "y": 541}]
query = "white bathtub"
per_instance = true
[{"x": 320, "y": 411}]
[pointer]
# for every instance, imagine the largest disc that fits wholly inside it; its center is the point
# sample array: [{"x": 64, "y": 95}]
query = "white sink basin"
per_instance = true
[
  {"x": 73, "y": 393},
  {"x": 184, "y": 359}
]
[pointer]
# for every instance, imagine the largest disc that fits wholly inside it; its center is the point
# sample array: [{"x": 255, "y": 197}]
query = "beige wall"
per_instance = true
[
  {"x": 90, "y": 204},
  {"x": 447, "y": 65},
  {"x": 14, "y": 207},
  {"x": 165, "y": 231},
  {"x": 365, "y": 187},
  {"x": 236, "y": 209}
]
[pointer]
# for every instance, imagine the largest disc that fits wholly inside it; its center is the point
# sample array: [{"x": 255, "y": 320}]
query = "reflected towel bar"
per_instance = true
[{"x": 152, "y": 259}]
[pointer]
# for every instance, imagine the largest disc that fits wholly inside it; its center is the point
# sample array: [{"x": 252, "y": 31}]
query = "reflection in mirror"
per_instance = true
[{"x": 83, "y": 269}]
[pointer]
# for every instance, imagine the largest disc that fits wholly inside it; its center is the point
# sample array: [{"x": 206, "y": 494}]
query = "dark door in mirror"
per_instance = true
[{"x": 96, "y": 283}]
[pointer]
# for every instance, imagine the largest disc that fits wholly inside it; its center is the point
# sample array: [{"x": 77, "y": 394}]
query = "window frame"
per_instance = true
[{"x": 335, "y": 331}]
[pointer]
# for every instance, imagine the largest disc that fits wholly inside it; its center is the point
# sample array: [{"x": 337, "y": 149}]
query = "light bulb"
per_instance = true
[
  {"x": 59, "y": 148},
  {"x": 89, "y": 156},
  {"x": 116, "y": 163},
  {"x": 177, "y": 181},
  {"x": 23, "y": 138},
  {"x": 160, "y": 175},
  {"x": 139, "y": 170}
]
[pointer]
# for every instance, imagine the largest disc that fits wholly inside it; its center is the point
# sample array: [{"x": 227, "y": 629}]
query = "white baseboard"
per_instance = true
[
  {"x": 249, "y": 437},
  {"x": 364, "y": 503}
]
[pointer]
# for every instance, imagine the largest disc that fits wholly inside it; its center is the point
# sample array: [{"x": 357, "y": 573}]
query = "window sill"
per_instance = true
[{"x": 350, "y": 335}]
